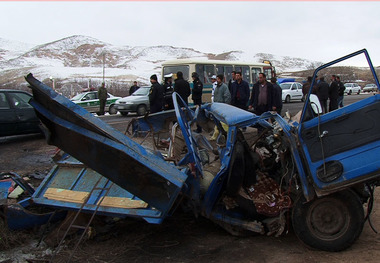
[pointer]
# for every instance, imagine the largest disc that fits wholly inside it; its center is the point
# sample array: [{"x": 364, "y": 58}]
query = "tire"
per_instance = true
[
  {"x": 287, "y": 99},
  {"x": 330, "y": 223},
  {"x": 112, "y": 110},
  {"x": 358, "y": 92},
  {"x": 124, "y": 113},
  {"x": 141, "y": 110},
  {"x": 349, "y": 93}
]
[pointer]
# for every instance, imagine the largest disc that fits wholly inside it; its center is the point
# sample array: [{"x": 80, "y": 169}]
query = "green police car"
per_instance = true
[{"x": 89, "y": 100}]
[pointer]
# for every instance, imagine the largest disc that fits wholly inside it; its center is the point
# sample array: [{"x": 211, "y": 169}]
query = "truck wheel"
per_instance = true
[
  {"x": 287, "y": 99},
  {"x": 330, "y": 223},
  {"x": 112, "y": 110},
  {"x": 141, "y": 110}
]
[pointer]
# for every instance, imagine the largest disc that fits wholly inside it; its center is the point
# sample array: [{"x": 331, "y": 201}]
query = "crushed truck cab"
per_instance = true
[{"x": 261, "y": 170}]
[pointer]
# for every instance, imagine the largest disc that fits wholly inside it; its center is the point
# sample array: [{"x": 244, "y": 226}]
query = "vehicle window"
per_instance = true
[
  {"x": 174, "y": 69},
  {"x": 205, "y": 72},
  {"x": 255, "y": 74},
  {"x": 225, "y": 70},
  {"x": 285, "y": 85},
  {"x": 268, "y": 73},
  {"x": 141, "y": 91},
  {"x": 89, "y": 96},
  {"x": 294, "y": 86},
  {"x": 3, "y": 102},
  {"x": 19, "y": 100},
  {"x": 77, "y": 97}
]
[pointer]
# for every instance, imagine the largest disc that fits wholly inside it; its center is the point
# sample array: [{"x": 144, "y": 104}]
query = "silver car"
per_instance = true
[
  {"x": 370, "y": 88},
  {"x": 137, "y": 102}
]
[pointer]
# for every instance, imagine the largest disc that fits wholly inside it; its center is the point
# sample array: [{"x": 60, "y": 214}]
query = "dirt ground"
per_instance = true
[{"x": 181, "y": 237}]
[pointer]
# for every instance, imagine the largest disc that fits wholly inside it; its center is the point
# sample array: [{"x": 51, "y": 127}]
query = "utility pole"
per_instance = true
[{"x": 104, "y": 57}]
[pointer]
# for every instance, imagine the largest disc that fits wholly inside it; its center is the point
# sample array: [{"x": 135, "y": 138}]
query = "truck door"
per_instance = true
[{"x": 341, "y": 147}]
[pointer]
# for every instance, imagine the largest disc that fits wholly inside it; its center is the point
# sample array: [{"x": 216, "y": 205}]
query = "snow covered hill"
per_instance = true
[{"x": 81, "y": 57}]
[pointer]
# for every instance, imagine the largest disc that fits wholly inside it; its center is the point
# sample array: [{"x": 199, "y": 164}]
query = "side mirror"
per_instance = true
[{"x": 315, "y": 104}]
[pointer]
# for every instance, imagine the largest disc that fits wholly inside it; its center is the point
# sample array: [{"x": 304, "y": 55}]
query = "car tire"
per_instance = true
[
  {"x": 112, "y": 110},
  {"x": 330, "y": 223},
  {"x": 287, "y": 99},
  {"x": 141, "y": 110},
  {"x": 349, "y": 93},
  {"x": 124, "y": 113},
  {"x": 358, "y": 92}
]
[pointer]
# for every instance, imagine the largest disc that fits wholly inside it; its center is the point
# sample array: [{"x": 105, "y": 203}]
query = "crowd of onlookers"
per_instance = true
[
  {"x": 265, "y": 95},
  {"x": 333, "y": 92}
]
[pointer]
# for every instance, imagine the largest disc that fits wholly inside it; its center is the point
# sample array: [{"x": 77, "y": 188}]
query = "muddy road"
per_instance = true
[{"x": 181, "y": 237}]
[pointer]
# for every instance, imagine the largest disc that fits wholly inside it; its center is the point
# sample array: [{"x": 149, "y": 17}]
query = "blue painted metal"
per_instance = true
[
  {"x": 70, "y": 174},
  {"x": 19, "y": 218},
  {"x": 106, "y": 150},
  {"x": 360, "y": 164}
]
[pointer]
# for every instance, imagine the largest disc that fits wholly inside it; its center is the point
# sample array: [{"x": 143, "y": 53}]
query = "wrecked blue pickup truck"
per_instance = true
[{"x": 318, "y": 171}]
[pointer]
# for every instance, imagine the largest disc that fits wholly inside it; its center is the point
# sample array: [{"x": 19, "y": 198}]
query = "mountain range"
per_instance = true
[{"x": 80, "y": 58}]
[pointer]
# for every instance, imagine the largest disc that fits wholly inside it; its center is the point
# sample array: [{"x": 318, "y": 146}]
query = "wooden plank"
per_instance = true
[
  {"x": 66, "y": 195},
  {"x": 122, "y": 202}
]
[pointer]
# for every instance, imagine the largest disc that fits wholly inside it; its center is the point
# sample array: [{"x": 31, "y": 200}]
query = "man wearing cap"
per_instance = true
[
  {"x": 214, "y": 83},
  {"x": 197, "y": 94},
  {"x": 182, "y": 87},
  {"x": 102, "y": 96},
  {"x": 168, "y": 91},
  {"x": 156, "y": 95}
]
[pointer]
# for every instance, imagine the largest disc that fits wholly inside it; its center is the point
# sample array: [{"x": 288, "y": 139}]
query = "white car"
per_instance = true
[
  {"x": 352, "y": 88},
  {"x": 291, "y": 91}
]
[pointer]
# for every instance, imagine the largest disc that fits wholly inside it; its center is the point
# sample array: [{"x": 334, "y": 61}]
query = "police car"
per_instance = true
[{"x": 89, "y": 100}]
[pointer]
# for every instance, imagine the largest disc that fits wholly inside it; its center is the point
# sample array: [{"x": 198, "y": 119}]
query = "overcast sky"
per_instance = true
[{"x": 320, "y": 31}]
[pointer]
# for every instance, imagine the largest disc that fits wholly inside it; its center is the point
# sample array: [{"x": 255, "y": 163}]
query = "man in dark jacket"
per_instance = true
[
  {"x": 102, "y": 96},
  {"x": 323, "y": 93},
  {"x": 168, "y": 91},
  {"x": 277, "y": 98},
  {"x": 133, "y": 88},
  {"x": 262, "y": 96},
  {"x": 333, "y": 94},
  {"x": 156, "y": 95},
  {"x": 341, "y": 89},
  {"x": 197, "y": 94},
  {"x": 240, "y": 92},
  {"x": 306, "y": 87},
  {"x": 182, "y": 87}
]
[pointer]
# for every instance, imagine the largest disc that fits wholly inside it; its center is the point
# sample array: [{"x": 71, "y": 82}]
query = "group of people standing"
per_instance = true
[
  {"x": 160, "y": 96},
  {"x": 265, "y": 96},
  {"x": 334, "y": 93}
]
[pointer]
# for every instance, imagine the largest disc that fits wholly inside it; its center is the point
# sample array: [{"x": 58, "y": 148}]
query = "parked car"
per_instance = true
[
  {"x": 352, "y": 88},
  {"x": 17, "y": 116},
  {"x": 89, "y": 100},
  {"x": 137, "y": 102},
  {"x": 369, "y": 88},
  {"x": 291, "y": 91}
]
